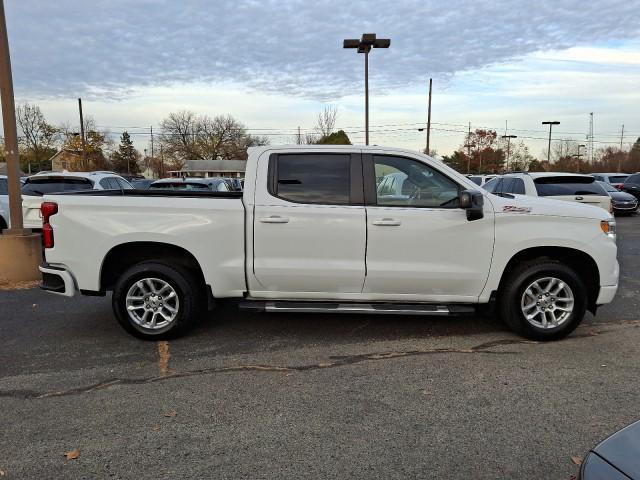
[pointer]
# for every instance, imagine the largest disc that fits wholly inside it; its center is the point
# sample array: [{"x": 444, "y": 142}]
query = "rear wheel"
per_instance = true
[
  {"x": 153, "y": 300},
  {"x": 3, "y": 224},
  {"x": 542, "y": 300}
]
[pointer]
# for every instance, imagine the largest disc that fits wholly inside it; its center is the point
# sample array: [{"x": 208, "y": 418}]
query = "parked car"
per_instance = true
[
  {"x": 4, "y": 203},
  {"x": 236, "y": 183},
  {"x": 622, "y": 202},
  {"x": 44, "y": 183},
  {"x": 570, "y": 187},
  {"x": 214, "y": 184},
  {"x": 131, "y": 178},
  {"x": 310, "y": 233},
  {"x": 632, "y": 185},
  {"x": 615, "y": 458},
  {"x": 142, "y": 183},
  {"x": 615, "y": 179},
  {"x": 480, "y": 180}
]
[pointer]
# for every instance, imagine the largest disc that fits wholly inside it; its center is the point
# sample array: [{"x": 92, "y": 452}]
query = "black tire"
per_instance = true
[
  {"x": 519, "y": 279},
  {"x": 3, "y": 224},
  {"x": 189, "y": 291}
]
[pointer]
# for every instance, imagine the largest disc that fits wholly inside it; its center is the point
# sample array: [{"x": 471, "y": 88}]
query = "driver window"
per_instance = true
[{"x": 409, "y": 183}]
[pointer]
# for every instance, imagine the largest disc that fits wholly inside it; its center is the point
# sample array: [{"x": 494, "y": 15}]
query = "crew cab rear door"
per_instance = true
[{"x": 309, "y": 231}]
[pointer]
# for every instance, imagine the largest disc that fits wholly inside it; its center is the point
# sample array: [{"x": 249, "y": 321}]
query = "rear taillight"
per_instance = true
[{"x": 48, "y": 209}]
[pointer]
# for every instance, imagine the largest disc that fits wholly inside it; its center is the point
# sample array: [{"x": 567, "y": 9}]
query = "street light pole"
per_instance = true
[
  {"x": 364, "y": 45},
  {"x": 579, "y": 155},
  {"x": 10, "y": 130},
  {"x": 551, "y": 124},
  {"x": 508, "y": 137}
]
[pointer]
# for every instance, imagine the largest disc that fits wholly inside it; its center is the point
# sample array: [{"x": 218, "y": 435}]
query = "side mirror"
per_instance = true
[{"x": 473, "y": 202}]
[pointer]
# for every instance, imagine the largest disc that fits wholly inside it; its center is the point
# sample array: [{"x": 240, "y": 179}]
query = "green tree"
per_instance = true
[
  {"x": 335, "y": 138},
  {"x": 125, "y": 158}
]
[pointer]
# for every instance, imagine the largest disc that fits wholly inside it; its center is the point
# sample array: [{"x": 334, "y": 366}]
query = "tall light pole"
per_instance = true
[
  {"x": 551, "y": 124},
  {"x": 579, "y": 155},
  {"x": 364, "y": 45},
  {"x": 508, "y": 137}
]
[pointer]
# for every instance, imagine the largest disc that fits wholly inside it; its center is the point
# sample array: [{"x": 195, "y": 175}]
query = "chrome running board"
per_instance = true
[{"x": 366, "y": 308}]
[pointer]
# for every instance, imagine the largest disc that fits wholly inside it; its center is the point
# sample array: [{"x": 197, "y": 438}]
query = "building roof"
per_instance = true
[{"x": 215, "y": 165}]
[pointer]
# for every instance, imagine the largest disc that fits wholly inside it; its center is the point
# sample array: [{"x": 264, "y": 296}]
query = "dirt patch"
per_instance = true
[{"x": 7, "y": 285}]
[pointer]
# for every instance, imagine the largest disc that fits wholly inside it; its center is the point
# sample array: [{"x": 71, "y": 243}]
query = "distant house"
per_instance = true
[
  {"x": 66, "y": 159},
  {"x": 211, "y": 168}
]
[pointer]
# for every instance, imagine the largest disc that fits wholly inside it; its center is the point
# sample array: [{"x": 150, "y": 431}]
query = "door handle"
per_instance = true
[
  {"x": 387, "y": 222},
  {"x": 579, "y": 198},
  {"x": 274, "y": 219}
]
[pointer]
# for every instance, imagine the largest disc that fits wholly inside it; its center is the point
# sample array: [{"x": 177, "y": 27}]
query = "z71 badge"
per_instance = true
[{"x": 515, "y": 209}]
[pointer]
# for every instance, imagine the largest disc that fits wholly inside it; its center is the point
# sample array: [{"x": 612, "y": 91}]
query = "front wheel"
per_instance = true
[
  {"x": 153, "y": 300},
  {"x": 542, "y": 300}
]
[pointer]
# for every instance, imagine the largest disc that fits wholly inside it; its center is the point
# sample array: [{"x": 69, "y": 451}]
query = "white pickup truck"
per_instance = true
[{"x": 324, "y": 229}]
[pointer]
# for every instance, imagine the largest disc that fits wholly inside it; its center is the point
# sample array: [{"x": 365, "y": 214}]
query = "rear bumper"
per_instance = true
[
  {"x": 606, "y": 294},
  {"x": 58, "y": 280}
]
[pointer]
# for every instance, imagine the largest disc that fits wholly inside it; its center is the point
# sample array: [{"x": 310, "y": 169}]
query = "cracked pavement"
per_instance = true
[{"x": 251, "y": 395}]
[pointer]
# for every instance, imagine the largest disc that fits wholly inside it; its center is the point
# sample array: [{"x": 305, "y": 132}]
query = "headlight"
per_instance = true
[{"x": 609, "y": 227}]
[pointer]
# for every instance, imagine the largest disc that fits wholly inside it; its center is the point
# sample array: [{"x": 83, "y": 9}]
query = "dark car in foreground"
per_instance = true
[
  {"x": 632, "y": 185},
  {"x": 622, "y": 202},
  {"x": 616, "y": 458}
]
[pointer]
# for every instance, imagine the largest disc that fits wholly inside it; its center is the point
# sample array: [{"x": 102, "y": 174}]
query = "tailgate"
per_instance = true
[{"x": 31, "y": 211}]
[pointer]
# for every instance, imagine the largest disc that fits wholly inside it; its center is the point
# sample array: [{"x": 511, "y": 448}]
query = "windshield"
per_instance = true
[
  {"x": 180, "y": 186},
  {"x": 618, "y": 178},
  {"x": 41, "y": 186},
  {"x": 567, "y": 186}
]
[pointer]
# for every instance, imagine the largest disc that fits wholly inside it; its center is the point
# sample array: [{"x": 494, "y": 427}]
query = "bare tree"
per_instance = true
[
  {"x": 186, "y": 136},
  {"x": 38, "y": 136},
  {"x": 326, "y": 121}
]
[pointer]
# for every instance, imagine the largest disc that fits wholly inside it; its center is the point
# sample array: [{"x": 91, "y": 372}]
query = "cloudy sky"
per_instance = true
[{"x": 275, "y": 64}]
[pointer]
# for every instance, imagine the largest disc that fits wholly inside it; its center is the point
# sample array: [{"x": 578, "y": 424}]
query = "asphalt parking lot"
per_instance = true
[{"x": 317, "y": 396}]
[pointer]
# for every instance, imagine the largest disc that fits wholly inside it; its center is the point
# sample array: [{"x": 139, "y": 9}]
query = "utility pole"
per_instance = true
[
  {"x": 20, "y": 250},
  {"x": 85, "y": 164},
  {"x": 551, "y": 124},
  {"x": 151, "y": 142},
  {"x": 10, "y": 131},
  {"x": 161, "y": 163},
  {"x": 429, "y": 118},
  {"x": 469, "y": 149},
  {"x": 508, "y": 137},
  {"x": 620, "y": 156},
  {"x": 299, "y": 138}
]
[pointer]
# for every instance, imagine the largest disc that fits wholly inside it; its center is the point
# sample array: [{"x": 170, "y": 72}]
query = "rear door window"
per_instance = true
[
  {"x": 567, "y": 186},
  {"x": 3, "y": 186},
  {"x": 518, "y": 186},
  {"x": 42, "y": 186},
  {"x": 312, "y": 178}
]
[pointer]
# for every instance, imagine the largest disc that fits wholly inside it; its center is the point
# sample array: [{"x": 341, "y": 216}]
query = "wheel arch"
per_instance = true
[
  {"x": 123, "y": 256},
  {"x": 582, "y": 263}
]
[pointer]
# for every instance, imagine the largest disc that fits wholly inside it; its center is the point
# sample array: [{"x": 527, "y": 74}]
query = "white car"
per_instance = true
[
  {"x": 58, "y": 182},
  {"x": 313, "y": 232},
  {"x": 572, "y": 187},
  {"x": 4, "y": 203}
]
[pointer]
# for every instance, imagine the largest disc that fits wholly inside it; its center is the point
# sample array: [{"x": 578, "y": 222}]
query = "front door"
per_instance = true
[
  {"x": 421, "y": 246},
  {"x": 310, "y": 227}
]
